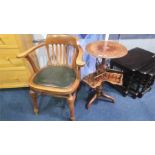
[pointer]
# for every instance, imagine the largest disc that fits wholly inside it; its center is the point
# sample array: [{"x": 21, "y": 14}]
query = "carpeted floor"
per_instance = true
[{"x": 16, "y": 105}]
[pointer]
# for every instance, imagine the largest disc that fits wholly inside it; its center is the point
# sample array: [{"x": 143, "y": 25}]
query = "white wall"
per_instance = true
[
  {"x": 42, "y": 56},
  {"x": 147, "y": 44}
]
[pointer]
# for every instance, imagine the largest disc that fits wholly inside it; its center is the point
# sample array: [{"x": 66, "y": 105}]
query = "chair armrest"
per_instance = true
[
  {"x": 26, "y": 53},
  {"x": 79, "y": 60}
]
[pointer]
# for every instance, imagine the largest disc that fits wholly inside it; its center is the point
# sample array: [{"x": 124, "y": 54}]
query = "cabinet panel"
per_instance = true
[
  {"x": 8, "y": 52},
  {"x": 13, "y": 71},
  {"x": 8, "y": 41},
  {"x": 15, "y": 77},
  {"x": 10, "y": 62}
]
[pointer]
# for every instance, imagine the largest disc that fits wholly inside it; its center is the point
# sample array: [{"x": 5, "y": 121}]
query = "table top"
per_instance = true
[{"x": 106, "y": 49}]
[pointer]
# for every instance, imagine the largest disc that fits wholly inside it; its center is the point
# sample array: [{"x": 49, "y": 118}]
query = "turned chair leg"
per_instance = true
[
  {"x": 70, "y": 101},
  {"x": 34, "y": 101}
]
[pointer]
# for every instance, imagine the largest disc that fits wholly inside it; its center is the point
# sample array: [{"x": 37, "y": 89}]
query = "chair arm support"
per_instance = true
[
  {"x": 79, "y": 61},
  {"x": 26, "y": 53}
]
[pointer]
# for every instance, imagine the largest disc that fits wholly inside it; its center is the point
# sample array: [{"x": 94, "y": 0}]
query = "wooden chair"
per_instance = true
[{"x": 61, "y": 76}]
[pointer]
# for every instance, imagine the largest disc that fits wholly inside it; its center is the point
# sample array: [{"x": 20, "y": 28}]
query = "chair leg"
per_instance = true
[
  {"x": 34, "y": 101},
  {"x": 70, "y": 101}
]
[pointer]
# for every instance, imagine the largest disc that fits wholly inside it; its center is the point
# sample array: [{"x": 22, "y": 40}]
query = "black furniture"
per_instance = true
[{"x": 138, "y": 68}]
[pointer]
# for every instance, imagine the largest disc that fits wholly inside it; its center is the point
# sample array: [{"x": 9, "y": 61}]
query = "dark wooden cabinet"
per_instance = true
[{"x": 138, "y": 68}]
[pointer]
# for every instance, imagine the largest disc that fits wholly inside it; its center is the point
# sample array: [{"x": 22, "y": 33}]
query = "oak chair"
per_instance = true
[{"x": 61, "y": 76}]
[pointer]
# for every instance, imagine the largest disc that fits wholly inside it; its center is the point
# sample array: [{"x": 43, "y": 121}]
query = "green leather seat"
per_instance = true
[{"x": 55, "y": 76}]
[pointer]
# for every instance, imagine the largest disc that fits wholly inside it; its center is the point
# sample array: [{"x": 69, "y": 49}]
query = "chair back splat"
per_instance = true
[{"x": 61, "y": 50}]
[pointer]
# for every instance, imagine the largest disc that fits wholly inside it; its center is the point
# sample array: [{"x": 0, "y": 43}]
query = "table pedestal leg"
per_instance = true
[
  {"x": 99, "y": 94},
  {"x": 108, "y": 97},
  {"x": 92, "y": 100}
]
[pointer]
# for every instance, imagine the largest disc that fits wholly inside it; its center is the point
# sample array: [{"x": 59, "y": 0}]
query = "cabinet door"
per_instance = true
[{"x": 13, "y": 71}]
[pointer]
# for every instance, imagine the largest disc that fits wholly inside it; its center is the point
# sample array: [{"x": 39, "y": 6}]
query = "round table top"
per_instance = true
[{"x": 106, "y": 49}]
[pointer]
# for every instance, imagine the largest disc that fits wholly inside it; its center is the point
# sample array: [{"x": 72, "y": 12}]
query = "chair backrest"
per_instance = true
[{"x": 61, "y": 49}]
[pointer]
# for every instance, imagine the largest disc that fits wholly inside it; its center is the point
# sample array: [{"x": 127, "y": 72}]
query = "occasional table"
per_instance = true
[{"x": 103, "y": 51}]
